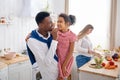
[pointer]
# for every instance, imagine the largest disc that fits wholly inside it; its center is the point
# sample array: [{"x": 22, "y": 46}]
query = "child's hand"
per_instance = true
[
  {"x": 59, "y": 78},
  {"x": 64, "y": 70}
]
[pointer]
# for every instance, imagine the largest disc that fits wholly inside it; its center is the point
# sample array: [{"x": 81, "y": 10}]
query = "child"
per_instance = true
[{"x": 66, "y": 39}]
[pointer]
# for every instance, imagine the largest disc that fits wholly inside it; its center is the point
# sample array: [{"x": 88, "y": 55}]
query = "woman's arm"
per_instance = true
[{"x": 79, "y": 48}]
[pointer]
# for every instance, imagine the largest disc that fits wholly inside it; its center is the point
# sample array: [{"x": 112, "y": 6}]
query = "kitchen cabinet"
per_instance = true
[
  {"x": 3, "y": 71},
  {"x": 19, "y": 68},
  {"x": 20, "y": 71}
]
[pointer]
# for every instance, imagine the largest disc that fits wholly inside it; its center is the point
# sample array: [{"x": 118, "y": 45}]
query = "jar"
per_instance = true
[{"x": 2, "y": 20}]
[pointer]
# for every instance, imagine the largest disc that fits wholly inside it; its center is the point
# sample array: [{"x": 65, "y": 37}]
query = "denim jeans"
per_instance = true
[{"x": 81, "y": 60}]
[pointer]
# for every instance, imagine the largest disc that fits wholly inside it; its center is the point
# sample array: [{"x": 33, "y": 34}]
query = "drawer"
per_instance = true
[
  {"x": 4, "y": 69},
  {"x": 19, "y": 64}
]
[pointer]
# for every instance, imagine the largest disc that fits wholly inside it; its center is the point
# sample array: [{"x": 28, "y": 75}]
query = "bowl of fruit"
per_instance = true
[
  {"x": 109, "y": 65},
  {"x": 10, "y": 55},
  {"x": 97, "y": 62}
]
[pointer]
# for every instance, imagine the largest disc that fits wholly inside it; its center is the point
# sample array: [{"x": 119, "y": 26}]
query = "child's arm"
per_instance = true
[{"x": 70, "y": 54}]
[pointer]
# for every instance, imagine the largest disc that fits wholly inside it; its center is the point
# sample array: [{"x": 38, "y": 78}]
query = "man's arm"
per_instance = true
[
  {"x": 41, "y": 52},
  {"x": 51, "y": 52}
]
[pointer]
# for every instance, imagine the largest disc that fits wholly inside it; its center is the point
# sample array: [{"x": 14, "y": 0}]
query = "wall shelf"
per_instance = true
[{"x": 4, "y": 23}]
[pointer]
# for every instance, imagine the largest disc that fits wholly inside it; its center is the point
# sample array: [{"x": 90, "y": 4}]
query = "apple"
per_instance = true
[
  {"x": 111, "y": 63},
  {"x": 103, "y": 64}
]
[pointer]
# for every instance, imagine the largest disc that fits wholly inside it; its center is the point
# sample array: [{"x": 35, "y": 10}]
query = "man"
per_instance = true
[{"x": 42, "y": 45}]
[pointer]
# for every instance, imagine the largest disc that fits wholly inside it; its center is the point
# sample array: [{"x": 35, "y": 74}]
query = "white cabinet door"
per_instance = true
[
  {"x": 13, "y": 75},
  {"x": 26, "y": 73},
  {"x": 92, "y": 76},
  {"x": 20, "y": 71},
  {"x": 4, "y": 74}
]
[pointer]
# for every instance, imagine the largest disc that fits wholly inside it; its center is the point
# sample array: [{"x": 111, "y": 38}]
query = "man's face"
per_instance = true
[{"x": 47, "y": 24}]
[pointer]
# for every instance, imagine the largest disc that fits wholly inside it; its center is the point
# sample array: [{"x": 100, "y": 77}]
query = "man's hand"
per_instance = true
[
  {"x": 27, "y": 37},
  {"x": 54, "y": 33}
]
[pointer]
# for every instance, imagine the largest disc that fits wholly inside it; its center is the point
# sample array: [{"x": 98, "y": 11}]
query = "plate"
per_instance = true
[{"x": 95, "y": 66}]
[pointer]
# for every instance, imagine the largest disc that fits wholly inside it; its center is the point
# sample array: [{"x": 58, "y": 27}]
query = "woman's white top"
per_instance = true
[{"x": 82, "y": 46}]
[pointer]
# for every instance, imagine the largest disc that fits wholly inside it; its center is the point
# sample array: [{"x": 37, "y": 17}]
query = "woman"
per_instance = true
[
  {"x": 83, "y": 49},
  {"x": 83, "y": 46}
]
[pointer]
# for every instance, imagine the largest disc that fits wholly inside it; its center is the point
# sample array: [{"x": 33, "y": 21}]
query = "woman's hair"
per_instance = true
[
  {"x": 68, "y": 18},
  {"x": 84, "y": 31},
  {"x": 41, "y": 16}
]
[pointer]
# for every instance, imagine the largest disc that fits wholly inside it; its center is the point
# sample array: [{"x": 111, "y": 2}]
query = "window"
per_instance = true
[{"x": 95, "y": 12}]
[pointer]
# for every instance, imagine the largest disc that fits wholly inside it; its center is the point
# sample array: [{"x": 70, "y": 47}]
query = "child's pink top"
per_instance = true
[{"x": 63, "y": 48}]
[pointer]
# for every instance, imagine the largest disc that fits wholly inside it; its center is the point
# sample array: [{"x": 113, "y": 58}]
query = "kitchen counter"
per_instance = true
[
  {"x": 108, "y": 74},
  {"x": 2, "y": 65},
  {"x": 19, "y": 68},
  {"x": 19, "y": 58}
]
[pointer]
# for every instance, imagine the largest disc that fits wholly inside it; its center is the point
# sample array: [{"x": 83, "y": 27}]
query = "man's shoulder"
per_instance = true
[{"x": 33, "y": 41}]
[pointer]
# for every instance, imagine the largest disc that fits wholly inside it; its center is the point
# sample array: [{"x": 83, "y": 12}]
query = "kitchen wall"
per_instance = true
[
  {"x": 13, "y": 34},
  {"x": 59, "y": 6}
]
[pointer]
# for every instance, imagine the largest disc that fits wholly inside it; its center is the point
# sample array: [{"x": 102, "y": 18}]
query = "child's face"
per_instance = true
[{"x": 61, "y": 24}]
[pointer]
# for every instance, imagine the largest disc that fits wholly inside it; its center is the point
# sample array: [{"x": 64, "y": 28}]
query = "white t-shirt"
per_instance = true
[{"x": 82, "y": 46}]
